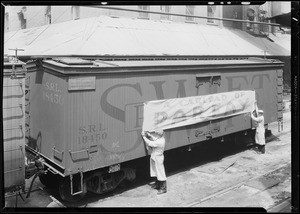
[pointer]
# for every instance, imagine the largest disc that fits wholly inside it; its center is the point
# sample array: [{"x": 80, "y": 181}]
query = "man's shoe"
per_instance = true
[
  {"x": 161, "y": 191},
  {"x": 162, "y": 187},
  {"x": 256, "y": 150},
  {"x": 263, "y": 149},
  {"x": 156, "y": 185}
]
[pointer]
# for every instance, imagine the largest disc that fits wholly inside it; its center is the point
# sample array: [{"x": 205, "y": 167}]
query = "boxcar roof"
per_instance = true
[
  {"x": 11, "y": 65},
  {"x": 9, "y": 62},
  {"x": 75, "y": 65},
  {"x": 107, "y": 36},
  {"x": 179, "y": 62}
]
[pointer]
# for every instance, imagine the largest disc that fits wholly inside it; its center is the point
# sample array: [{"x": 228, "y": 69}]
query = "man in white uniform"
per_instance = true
[
  {"x": 260, "y": 130},
  {"x": 155, "y": 143}
]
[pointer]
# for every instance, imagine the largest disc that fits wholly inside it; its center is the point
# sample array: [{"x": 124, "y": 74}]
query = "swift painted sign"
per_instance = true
[{"x": 178, "y": 112}]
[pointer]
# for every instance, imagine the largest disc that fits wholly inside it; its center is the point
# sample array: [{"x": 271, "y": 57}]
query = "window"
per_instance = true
[
  {"x": 22, "y": 17},
  {"x": 144, "y": 15},
  {"x": 6, "y": 24},
  {"x": 190, "y": 10},
  {"x": 262, "y": 18},
  {"x": 165, "y": 9},
  {"x": 250, "y": 17},
  {"x": 75, "y": 12},
  {"x": 48, "y": 15},
  {"x": 211, "y": 9}
]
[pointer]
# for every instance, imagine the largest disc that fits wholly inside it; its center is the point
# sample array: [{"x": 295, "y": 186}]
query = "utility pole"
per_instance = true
[{"x": 16, "y": 52}]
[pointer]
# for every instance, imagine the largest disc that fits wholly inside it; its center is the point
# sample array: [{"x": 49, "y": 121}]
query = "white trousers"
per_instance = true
[
  {"x": 157, "y": 168},
  {"x": 260, "y": 136}
]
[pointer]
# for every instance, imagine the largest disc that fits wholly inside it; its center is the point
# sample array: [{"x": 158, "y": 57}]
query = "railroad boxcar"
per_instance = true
[
  {"x": 86, "y": 115},
  {"x": 13, "y": 111}
]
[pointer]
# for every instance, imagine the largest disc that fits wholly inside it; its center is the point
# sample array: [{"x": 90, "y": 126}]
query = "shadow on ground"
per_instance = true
[{"x": 176, "y": 161}]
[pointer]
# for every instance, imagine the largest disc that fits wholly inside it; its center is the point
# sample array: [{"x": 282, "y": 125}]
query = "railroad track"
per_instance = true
[
  {"x": 242, "y": 156},
  {"x": 197, "y": 203}
]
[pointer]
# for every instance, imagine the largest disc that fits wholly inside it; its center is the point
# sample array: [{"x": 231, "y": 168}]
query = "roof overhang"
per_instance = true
[{"x": 283, "y": 19}]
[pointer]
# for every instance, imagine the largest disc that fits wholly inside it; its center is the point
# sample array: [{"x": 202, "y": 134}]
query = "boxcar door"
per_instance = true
[{"x": 206, "y": 84}]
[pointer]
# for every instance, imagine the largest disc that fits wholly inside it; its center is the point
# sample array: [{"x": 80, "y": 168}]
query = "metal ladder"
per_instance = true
[
  {"x": 280, "y": 100},
  {"x": 27, "y": 109}
]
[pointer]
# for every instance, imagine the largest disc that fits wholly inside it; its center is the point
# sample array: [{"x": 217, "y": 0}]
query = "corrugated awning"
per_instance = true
[
  {"x": 282, "y": 19},
  {"x": 106, "y": 36}
]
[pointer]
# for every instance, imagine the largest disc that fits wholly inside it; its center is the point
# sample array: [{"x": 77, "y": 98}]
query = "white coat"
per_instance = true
[
  {"x": 260, "y": 130},
  {"x": 156, "y": 147}
]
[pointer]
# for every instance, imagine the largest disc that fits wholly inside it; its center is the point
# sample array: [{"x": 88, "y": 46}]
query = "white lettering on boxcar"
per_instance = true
[
  {"x": 116, "y": 157},
  {"x": 115, "y": 145},
  {"x": 51, "y": 93},
  {"x": 91, "y": 134}
]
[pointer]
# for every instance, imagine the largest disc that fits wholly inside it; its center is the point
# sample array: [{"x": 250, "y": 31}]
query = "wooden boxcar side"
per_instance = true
[
  {"x": 14, "y": 124},
  {"x": 89, "y": 116}
]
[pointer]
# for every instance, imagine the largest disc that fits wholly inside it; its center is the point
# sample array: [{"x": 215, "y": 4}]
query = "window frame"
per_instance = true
[
  {"x": 48, "y": 18},
  {"x": 75, "y": 12},
  {"x": 188, "y": 12},
  {"x": 6, "y": 22},
  {"x": 142, "y": 15},
  {"x": 23, "y": 21},
  {"x": 211, "y": 21},
  {"x": 163, "y": 9}
]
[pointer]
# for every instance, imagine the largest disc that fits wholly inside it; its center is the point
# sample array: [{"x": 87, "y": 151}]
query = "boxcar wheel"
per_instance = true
[
  {"x": 50, "y": 180},
  {"x": 65, "y": 191}
]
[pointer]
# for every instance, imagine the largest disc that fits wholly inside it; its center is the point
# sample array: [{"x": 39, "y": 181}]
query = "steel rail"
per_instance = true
[{"x": 221, "y": 192}]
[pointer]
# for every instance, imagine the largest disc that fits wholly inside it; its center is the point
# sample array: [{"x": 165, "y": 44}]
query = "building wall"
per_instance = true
[
  {"x": 233, "y": 12},
  {"x": 36, "y": 15}
]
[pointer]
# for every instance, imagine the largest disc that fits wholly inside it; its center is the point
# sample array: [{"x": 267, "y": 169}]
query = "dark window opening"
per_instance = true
[
  {"x": 250, "y": 17},
  {"x": 211, "y": 13},
  {"x": 6, "y": 22},
  {"x": 190, "y": 10},
  {"x": 48, "y": 14},
  {"x": 22, "y": 18},
  {"x": 75, "y": 12},
  {"x": 165, "y": 9}
]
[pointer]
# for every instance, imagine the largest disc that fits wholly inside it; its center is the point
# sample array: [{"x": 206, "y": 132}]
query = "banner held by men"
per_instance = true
[{"x": 178, "y": 112}]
